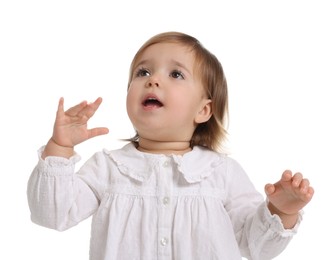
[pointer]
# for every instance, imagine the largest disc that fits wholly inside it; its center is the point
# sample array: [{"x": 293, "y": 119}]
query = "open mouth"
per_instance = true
[{"x": 152, "y": 102}]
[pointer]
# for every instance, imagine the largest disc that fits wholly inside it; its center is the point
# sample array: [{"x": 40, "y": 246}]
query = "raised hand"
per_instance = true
[
  {"x": 70, "y": 128},
  {"x": 288, "y": 196}
]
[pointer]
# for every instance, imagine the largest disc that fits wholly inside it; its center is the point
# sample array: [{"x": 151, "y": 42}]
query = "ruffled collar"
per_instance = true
[{"x": 195, "y": 165}]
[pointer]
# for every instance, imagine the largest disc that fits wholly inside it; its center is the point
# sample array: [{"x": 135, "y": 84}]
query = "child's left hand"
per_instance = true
[{"x": 290, "y": 194}]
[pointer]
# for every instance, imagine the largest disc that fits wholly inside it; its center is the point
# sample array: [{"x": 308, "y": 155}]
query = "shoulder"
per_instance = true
[
  {"x": 203, "y": 155},
  {"x": 207, "y": 160},
  {"x": 202, "y": 163}
]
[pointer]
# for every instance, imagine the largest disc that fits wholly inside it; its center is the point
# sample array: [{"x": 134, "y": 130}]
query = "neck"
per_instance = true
[{"x": 163, "y": 147}]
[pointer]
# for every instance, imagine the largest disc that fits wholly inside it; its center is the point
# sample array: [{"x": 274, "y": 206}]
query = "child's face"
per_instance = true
[{"x": 165, "y": 99}]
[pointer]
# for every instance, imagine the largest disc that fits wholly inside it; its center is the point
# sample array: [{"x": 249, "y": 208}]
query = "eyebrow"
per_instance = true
[
  {"x": 175, "y": 62},
  {"x": 139, "y": 64},
  {"x": 181, "y": 65}
]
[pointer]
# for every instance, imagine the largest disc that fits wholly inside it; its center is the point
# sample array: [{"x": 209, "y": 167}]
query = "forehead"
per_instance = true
[{"x": 167, "y": 52}]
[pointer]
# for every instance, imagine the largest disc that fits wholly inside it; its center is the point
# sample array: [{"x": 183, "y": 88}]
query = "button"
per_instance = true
[
  {"x": 164, "y": 241},
  {"x": 166, "y": 200},
  {"x": 166, "y": 164}
]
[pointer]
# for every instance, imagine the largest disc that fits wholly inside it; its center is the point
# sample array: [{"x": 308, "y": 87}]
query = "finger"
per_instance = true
[
  {"x": 61, "y": 103},
  {"x": 307, "y": 196},
  {"x": 304, "y": 185},
  {"x": 60, "y": 106},
  {"x": 296, "y": 179},
  {"x": 98, "y": 131},
  {"x": 89, "y": 110},
  {"x": 286, "y": 175},
  {"x": 310, "y": 193},
  {"x": 75, "y": 110}
]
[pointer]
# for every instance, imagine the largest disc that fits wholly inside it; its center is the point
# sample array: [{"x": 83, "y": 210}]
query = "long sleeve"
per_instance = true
[
  {"x": 260, "y": 235},
  {"x": 266, "y": 234},
  {"x": 58, "y": 198}
]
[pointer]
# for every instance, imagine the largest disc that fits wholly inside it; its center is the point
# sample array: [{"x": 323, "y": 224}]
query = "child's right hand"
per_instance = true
[{"x": 70, "y": 128}]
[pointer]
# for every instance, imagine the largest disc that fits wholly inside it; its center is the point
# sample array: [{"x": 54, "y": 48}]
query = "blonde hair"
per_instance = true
[{"x": 212, "y": 133}]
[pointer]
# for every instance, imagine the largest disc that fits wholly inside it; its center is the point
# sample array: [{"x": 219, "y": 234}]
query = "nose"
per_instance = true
[{"x": 152, "y": 82}]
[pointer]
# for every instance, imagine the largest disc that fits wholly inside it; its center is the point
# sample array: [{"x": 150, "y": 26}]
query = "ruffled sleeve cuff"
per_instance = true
[
  {"x": 274, "y": 224},
  {"x": 55, "y": 165},
  {"x": 269, "y": 237}
]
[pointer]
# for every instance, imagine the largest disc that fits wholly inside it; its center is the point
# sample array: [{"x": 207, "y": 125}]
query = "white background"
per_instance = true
[{"x": 276, "y": 58}]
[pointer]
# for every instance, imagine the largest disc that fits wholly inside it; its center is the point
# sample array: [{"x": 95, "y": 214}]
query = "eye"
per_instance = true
[
  {"x": 177, "y": 74},
  {"x": 142, "y": 72}
]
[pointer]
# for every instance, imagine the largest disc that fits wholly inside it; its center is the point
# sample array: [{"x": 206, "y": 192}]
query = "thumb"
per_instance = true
[{"x": 269, "y": 189}]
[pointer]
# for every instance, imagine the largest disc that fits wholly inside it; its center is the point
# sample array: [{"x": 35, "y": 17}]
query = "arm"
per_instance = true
[
  {"x": 59, "y": 198},
  {"x": 260, "y": 234},
  {"x": 55, "y": 194}
]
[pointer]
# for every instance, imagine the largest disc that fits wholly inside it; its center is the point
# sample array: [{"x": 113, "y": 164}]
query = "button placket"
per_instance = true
[
  {"x": 166, "y": 200},
  {"x": 164, "y": 209},
  {"x": 164, "y": 241},
  {"x": 166, "y": 164}
]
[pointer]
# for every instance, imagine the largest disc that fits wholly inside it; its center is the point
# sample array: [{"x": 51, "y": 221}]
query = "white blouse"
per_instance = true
[{"x": 147, "y": 206}]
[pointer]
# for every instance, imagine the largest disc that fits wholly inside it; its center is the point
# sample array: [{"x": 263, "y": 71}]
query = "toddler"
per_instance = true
[{"x": 169, "y": 193}]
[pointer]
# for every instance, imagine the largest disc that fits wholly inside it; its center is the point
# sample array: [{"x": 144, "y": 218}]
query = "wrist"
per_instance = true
[
  {"x": 275, "y": 210},
  {"x": 289, "y": 220},
  {"x": 54, "y": 149}
]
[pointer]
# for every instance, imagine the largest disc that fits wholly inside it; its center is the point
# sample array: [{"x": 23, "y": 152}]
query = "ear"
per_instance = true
[{"x": 205, "y": 111}]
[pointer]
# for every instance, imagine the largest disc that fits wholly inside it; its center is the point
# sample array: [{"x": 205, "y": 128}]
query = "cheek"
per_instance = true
[
  {"x": 183, "y": 100},
  {"x": 133, "y": 99},
  {"x": 131, "y": 93},
  {"x": 183, "y": 109},
  {"x": 130, "y": 100}
]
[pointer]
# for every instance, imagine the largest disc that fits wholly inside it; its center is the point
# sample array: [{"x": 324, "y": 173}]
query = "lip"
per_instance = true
[{"x": 151, "y": 102}]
